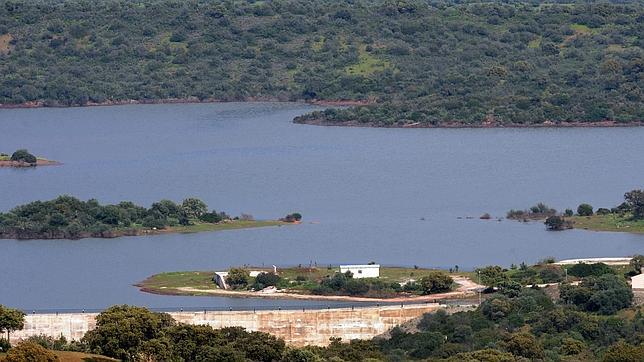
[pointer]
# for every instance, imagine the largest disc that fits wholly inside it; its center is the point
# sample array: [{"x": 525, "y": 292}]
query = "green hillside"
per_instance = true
[{"x": 415, "y": 61}]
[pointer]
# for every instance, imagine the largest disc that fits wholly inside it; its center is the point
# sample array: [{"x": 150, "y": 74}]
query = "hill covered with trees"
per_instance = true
[{"x": 420, "y": 63}]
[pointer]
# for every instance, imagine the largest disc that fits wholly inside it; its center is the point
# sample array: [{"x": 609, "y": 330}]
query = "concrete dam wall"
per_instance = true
[{"x": 296, "y": 327}]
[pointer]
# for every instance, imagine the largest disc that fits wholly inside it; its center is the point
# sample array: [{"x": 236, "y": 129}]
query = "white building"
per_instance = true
[
  {"x": 362, "y": 271},
  {"x": 637, "y": 282}
]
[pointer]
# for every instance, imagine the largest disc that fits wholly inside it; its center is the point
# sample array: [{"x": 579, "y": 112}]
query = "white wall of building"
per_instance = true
[{"x": 362, "y": 271}]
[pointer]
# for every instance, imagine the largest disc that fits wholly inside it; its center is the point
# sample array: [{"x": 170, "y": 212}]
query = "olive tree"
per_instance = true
[{"x": 11, "y": 320}]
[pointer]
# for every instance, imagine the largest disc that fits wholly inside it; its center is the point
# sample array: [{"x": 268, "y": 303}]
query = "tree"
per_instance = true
[
  {"x": 637, "y": 263},
  {"x": 556, "y": 223},
  {"x": 121, "y": 331},
  {"x": 11, "y": 320},
  {"x": 237, "y": 278},
  {"x": 624, "y": 352},
  {"x": 194, "y": 208},
  {"x": 525, "y": 345},
  {"x": 30, "y": 351},
  {"x": 492, "y": 276},
  {"x": 585, "y": 210},
  {"x": 436, "y": 282},
  {"x": 24, "y": 156},
  {"x": 635, "y": 202},
  {"x": 605, "y": 294},
  {"x": 583, "y": 270},
  {"x": 568, "y": 213},
  {"x": 267, "y": 279}
]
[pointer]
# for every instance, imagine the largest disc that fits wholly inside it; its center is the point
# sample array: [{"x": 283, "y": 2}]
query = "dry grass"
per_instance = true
[{"x": 5, "y": 43}]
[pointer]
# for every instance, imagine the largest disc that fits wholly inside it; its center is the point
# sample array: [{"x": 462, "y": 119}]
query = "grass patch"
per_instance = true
[
  {"x": 534, "y": 43},
  {"x": 581, "y": 29},
  {"x": 65, "y": 356},
  {"x": 367, "y": 64},
  {"x": 318, "y": 44},
  {"x": 5, "y": 43},
  {"x": 172, "y": 280},
  {"x": 611, "y": 222},
  {"x": 236, "y": 224}
]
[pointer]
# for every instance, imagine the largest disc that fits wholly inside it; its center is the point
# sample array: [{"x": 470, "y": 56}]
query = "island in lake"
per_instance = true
[
  {"x": 67, "y": 217},
  {"x": 22, "y": 158},
  {"x": 626, "y": 217}
]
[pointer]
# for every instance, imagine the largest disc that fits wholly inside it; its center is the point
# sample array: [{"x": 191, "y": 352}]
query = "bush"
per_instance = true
[
  {"x": 603, "y": 211},
  {"x": 237, "y": 278},
  {"x": 568, "y": 213},
  {"x": 583, "y": 270},
  {"x": 24, "y": 156},
  {"x": 4, "y": 345},
  {"x": 211, "y": 217},
  {"x": 585, "y": 210},
  {"x": 30, "y": 351},
  {"x": 267, "y": 279},
  {"x": 436, "y": 282},
  {"x": 557, "y": 223}
]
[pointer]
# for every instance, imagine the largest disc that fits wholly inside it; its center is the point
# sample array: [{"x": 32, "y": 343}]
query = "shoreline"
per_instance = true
[
  {"x": 189, "y": 100},
  {"x": 466, "y": 288},
  {"x": 329, "y": 103},
  {"x": 111, "y": 234},
  {"x": 458, "y": 125},
  {"x": 22, "y": 164}
]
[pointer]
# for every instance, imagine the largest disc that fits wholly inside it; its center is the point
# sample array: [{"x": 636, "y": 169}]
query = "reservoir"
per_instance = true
[{"x": 392, "y": 196}]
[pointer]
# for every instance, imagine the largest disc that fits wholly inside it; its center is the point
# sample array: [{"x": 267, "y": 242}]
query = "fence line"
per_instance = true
[{"x": 302, "y": 307}]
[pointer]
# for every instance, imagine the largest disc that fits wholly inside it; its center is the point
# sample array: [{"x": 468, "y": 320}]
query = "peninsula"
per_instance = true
[
  {"x": 625, "y": 217},
  {"x": 67, "y": 217},
  {"x": 338, "y": 283},
  {"x": 22, "y": 158}
]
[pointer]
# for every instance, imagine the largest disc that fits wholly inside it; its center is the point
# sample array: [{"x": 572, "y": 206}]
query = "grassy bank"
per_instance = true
[
  {"x": 235, "y": 224},
  {"x": 65, "y": 356},
  {"x": 610, "y": 222}
]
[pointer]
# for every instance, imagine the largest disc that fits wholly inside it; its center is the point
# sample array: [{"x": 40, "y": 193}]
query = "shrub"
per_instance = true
[
  {"x": 585, "y": 210},
  {"x": 267, "y": 279},
  {"x": 571, "y": 346},
  {"x": 568, "y": 213},
  {"x": 603, "y": 211},
  {"x": 30, "y": 351},
  {"x": 557, "y": 223},
  {"x": 211, "y": 217},
  {"x": 583, "y": 270},
  {"x": 237, "y": 278},
  {"x": 436, "y": 282},
  {"x": 24, "y": 156}
]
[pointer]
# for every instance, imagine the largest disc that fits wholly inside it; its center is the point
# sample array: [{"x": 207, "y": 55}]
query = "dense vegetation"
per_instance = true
[
  {"x": 431, "y": 62},
  {"x": 67, "y": 217},
  {"x": 337, "y": 283},
  {"x": 21, "y": 155},
  {"x": 627, "y": 216},
  {"x": 588, "y": 322}
]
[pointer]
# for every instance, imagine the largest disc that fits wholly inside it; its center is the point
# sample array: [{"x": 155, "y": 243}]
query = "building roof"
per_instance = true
[{"x": 363, "y": 266}]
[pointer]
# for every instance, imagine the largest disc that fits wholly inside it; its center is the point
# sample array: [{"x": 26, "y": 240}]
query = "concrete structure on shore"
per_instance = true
[{"x": 296, "y": 327}]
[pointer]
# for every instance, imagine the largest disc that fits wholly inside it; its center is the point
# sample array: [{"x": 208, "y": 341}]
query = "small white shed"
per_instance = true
[{"x": 362, "y": 271}]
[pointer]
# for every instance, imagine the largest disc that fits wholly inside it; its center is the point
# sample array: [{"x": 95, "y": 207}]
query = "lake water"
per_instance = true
[{"x": 392, "y": 196}]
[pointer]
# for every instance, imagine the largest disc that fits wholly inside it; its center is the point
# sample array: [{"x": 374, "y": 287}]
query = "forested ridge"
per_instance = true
[{"x": 412, "y": 62}]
